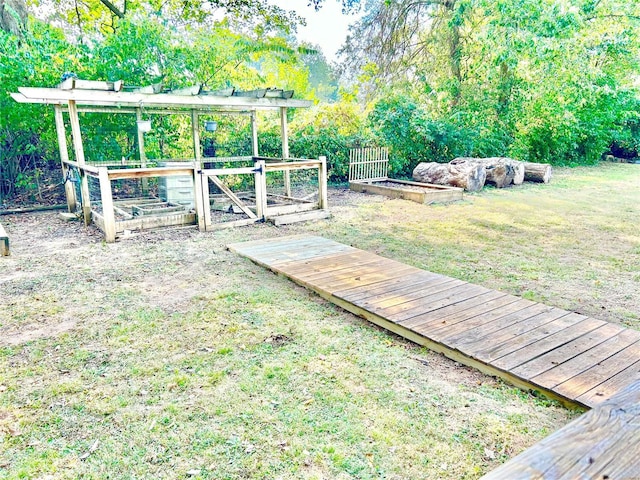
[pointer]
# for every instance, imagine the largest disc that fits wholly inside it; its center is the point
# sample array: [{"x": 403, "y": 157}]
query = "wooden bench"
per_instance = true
[
  {"x": 603, "y": 443},
  {"x": 4, "y": 242}
]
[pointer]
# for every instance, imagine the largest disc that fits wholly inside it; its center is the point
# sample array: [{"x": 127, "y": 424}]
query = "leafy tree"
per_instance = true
[
  {"x": 141, "y": 51},
  {"x": 27, "y": 139},
  {"x": 105, "y": 16},
  {"x": 539, "y": 79}
]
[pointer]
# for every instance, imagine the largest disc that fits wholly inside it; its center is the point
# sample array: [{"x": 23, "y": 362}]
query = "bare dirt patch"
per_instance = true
[{"x": 31, "y": 332}]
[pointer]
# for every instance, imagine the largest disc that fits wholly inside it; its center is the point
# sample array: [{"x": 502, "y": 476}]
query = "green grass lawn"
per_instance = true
[{"x": 166, "y": 356}]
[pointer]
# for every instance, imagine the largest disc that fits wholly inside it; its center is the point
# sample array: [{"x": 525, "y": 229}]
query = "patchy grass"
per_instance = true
[
  {"x": 574, "y": 243},
  {"x": 183, "y": 360}
]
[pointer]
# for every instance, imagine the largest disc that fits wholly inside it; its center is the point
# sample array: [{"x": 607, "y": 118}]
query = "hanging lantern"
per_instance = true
[
  {"x": 210, "y": 126},
  {"x": 144, "y": 126}
]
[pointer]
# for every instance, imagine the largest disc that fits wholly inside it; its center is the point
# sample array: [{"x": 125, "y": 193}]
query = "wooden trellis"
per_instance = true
[{"x": 371, "y": 164}]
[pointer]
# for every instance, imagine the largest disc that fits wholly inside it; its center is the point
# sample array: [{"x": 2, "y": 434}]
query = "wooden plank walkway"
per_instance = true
[
  {"x": 603, "y": 443},
  {"x": 563, "y": 355}
]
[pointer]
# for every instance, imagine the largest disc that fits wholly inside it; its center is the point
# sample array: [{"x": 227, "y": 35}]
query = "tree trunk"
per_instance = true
[
  {"x": 501, "y": 171},
  {"x": 469, "y": 176},
  {"x": 13, "y": 16},
  {"x": 537, "y": 172}
]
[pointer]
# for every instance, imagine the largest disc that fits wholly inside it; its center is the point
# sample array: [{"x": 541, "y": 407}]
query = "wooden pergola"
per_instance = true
[{"x": 74, "y": 96}]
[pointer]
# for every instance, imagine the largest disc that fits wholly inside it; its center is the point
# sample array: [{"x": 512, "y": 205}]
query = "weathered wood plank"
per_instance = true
[
  {"x": 364, "y": 265},
  {"x": 274, "y": 253},
  {"x": 611, "y": 386},
  {"x": 460, "y": 337},
  {"x": 432, "y": 302},
  {"x": 513, "y": 336},
  {"x": 420, "y": 276},
  {"x": 329, "y": 262},
  {"x": 357, "y": 279},
  {"x": 585, "y": 381},
  {"x": 146, "y": 223},
  {"x": 286, "y": 258},
  {"x": 567, "y": 351},
  {"x": 602, "y": 444},
  {"x": 585, "y": 360},
  {"x": 447, "y": 317},
  {"x": 547, "y": 344},
  {"x": 426, "y": 196},
  {"x": 278, "y": 215},
  {"x": 4, "y": 242},
  {"x": 270, "y": 246},
  {"x": 408, "y": 293}
]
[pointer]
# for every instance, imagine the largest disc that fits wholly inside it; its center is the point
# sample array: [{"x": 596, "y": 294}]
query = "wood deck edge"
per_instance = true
[
  {"x": 452, "y": 354},
  {"x": 448, "y": 352},
  {"x": 233, "y": 247},
  {"x": 584, "y": 446}
]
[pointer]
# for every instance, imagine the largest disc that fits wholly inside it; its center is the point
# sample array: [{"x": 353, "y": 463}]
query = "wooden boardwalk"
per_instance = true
[
  {"x": 567, "y": 356},
  {"x": 602, "y": 443}
]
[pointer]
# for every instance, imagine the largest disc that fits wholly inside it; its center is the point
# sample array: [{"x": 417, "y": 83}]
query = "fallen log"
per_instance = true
[
  {"x": 501, "y": 171},
  {"x": 469, "y": 176},
  {"x": 537, "y": 172}
]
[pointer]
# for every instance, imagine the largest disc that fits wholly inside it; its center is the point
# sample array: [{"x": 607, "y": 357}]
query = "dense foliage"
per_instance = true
[
  {"x": 541, "y": 80},
  {"x": 143, "y": 50}
]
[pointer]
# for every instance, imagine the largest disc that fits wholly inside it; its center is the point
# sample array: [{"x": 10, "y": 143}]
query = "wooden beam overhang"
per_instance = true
[{"x": 84, "y": 98}]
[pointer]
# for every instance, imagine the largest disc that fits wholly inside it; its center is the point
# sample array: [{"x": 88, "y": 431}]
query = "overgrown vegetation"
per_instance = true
[{"x": 547, "y": 81}]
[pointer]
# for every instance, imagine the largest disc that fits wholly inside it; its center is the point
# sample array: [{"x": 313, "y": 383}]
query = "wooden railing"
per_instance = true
[{"x": 106, "y": 219}]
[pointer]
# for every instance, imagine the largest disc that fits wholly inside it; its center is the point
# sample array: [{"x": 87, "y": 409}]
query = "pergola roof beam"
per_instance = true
[{"x": 160, "y": 100}]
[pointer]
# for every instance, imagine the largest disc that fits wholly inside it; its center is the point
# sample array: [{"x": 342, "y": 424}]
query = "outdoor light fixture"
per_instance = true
[
  {"x": 210, "y": 126},
  {"x": 144, "y": 126}
]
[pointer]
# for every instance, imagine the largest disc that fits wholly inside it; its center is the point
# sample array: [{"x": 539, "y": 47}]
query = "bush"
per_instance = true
[{"x": 413, "y": 137}]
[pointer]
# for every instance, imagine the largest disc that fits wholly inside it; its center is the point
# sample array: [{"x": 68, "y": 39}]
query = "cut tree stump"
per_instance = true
[
  {"x": 470, "y": 176},
  {"x": 501, "y": 171},
  {"x": 537, "y": 172}
]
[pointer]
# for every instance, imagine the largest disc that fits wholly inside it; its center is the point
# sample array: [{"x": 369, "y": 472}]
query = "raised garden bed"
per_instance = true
[{"x": 425, "y": 193}]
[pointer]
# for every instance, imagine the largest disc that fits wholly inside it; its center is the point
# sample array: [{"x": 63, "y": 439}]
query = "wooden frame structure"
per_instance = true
[
  {"x": 74, "y": 96},
  {"x": 369, "y": 170}
]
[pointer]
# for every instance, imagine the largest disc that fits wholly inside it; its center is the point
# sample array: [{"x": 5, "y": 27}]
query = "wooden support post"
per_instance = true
[
  {"x": 261, "y": 189},
  {"x": 108, "y": 213},
  {"x": 285, "y": 149},
  {"x": 323, "y": 201},
  {"x": 4, "y": 242},
  {"x": 254, "y": 133},
  {"x": 141, "y": 151},
  {"x": 69, "y": 189},
  {"x": 78, "y": 149},
  {"x": 201, "y": 191},
  {"x": 195, "y": 117},
  {"x": 207, "y": 206}
]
